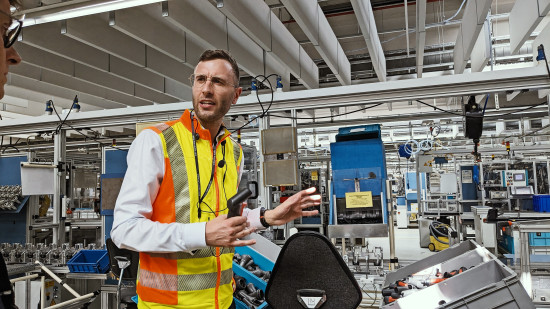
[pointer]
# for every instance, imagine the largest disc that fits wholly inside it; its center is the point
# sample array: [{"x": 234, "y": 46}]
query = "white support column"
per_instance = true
[
  {"x": 59, "y": 186},
  {"x": 264, "y": 194}
]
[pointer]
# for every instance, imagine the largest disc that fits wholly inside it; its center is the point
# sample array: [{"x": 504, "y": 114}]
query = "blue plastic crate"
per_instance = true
[
  {"x": 250, "y": 278},
  {"x": 539, "y": 239},
  {"x": 89, "y": 261},
  {"x": 260, "y": 260},
  {"x": 541, "y": 203}
]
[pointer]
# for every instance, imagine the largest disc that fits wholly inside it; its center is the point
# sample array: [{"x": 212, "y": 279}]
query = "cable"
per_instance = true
[
  {"x": 527, "y": 134},
  {"x": 331, "y": 116},
  {"x": 457, "y": 114},
  {"x": 264, "y": 110},
  {"x": 55, "y": 110},
  {"x": 63, "y": 122},
  {"x": 458, "y": 11},
  {"x": 413, "y": 30},
  {"x": 440, "y": 109},
  {"x": 545, "y": 59},
  {"x": 94, "y": 139},
  {"x": 484, "y": 106}
]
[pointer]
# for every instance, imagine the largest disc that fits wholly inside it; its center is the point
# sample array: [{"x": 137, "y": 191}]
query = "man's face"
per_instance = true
[
  {"x": 214, "y": 91},
  {"x": 8, "y": 56}
]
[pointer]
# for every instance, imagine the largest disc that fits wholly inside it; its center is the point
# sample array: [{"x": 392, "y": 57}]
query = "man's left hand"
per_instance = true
[{"x": 294, "y": 207}]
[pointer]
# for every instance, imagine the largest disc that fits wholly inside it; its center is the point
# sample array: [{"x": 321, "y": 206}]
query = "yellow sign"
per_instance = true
[
  {"x": 358, "y": 199},
  {"x": 314, "y": 175}
]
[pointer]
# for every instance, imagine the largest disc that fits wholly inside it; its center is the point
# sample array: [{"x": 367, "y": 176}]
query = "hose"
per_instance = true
[{"x": 434, "y": 226}]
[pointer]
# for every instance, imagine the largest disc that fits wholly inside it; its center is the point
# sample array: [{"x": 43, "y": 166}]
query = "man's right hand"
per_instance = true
[{"x": 223, "y": 232}]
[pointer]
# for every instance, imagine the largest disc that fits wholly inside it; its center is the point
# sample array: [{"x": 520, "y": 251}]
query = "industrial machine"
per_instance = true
[
  {"x": 359, "y": 203},
  {"x": 359, "y": 176}
]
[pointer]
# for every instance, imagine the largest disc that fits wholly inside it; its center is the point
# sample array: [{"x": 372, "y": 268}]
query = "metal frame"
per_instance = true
[{"x": 402, "y": 90}]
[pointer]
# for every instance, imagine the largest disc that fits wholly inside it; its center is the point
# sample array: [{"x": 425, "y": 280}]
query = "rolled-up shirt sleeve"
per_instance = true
[{"x": 132, "y": 226}]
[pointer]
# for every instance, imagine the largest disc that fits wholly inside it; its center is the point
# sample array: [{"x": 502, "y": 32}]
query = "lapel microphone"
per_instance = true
[{"x": 221, "y": 164}]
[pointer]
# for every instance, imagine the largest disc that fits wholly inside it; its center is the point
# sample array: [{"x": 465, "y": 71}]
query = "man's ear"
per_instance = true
[{"x": 237, "y": 95}]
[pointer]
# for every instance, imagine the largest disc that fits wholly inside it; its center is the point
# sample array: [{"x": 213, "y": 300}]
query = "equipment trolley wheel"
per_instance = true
[{"x": 431, "y": 246}]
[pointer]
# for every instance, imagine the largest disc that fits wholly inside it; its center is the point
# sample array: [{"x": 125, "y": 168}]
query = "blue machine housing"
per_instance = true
[{"x": 358, "y": 153}]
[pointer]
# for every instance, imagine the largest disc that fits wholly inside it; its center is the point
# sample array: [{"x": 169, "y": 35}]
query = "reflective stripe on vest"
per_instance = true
[{"x": 181, "y": 279}]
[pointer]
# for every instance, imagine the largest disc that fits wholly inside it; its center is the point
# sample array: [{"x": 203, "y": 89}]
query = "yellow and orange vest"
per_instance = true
[{"x": 184, "y": 280}]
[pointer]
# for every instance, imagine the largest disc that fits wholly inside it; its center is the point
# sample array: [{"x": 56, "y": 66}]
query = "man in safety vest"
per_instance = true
[{"x": 172, "y": 204}]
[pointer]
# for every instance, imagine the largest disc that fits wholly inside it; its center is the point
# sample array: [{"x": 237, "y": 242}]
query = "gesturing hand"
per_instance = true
[
  {"x": 223, "y": 232},
  {"x": 294, "y": 207}
]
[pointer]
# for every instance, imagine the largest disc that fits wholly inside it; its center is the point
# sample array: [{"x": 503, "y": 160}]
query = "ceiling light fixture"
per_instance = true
[{"x": 68, "y": 10}]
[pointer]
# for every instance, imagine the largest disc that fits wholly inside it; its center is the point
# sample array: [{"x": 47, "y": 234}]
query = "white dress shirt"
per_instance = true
[{"x": 132, "y": 227}]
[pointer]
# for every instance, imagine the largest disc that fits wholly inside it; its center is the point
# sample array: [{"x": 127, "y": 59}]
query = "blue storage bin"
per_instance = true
[
  {"x": 260, "y": 260},
  {"x": 89, "y": 261},
  {"x": 541, "y": 203},
  {"x": 250, "y": 278},
  {"x": 542, "y": 240}
]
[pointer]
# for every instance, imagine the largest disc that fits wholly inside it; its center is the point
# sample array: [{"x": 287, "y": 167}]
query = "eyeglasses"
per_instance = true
[
  {"x": 10, "y": 33},
  {"x": 198, "y": 80}
]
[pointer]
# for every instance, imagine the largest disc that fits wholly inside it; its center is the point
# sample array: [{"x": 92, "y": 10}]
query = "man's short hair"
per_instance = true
[{"x": 213, "y": 54}]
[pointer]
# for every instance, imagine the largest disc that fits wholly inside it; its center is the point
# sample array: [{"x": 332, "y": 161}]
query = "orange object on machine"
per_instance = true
[
  {"x": 283, "y": 198},
  {"x": 435, "y": 280},
  {"x": 389, "y": 299}
]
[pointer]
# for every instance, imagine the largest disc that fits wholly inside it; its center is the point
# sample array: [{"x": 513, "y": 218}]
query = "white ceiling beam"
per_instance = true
[
  {"x": 420, "y": 36},
  {"x": 10, "y": 115},
  {"x": 258, "y": 27},
  {"x": 168, "y": 67},
  {"x": 41, "y": 92},
  {"x": 96, "y": 32},
  {"x": 257, "y": 22},
  {"x": 48, "y": 37},
  {"x": 191, "y": 17},
  {"x": 481, "y": 52},
  {"x": 525, "y": 16},
  {"x": 153, "y": 96},
  {"x": 272, "y": 65},
  {"x": 310, "y": 17},
  {"x": 14, "y": 101},
  {"x": 143, "y": 24},
  {"x": 544, "y": 39},
  {"x": 221, "y": 33},
  {"x": 42, "y": 58},
  {"x": 473, "y": 19},
  {"x": 543, "y": 93},
  {"x": 77, "y": 86},
  {"x": 511, "y": 96},
  {"x": 365, "y": 17}
]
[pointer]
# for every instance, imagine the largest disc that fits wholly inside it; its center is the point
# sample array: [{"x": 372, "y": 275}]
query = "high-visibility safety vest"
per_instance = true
[{"x": 202, "y": 279}]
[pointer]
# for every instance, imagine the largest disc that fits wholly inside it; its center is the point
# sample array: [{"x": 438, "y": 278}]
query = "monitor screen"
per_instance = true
[{"x": 519, "y": 177}]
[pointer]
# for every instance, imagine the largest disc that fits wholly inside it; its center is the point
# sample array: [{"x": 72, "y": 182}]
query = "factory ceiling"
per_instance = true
[{"x": 118, "y": 54}]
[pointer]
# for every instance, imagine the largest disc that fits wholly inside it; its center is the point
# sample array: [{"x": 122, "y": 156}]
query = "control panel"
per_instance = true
[{"x": 513, "y": 178}]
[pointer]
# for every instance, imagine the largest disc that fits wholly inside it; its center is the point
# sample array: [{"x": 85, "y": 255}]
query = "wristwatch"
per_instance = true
[{"x": 262, "y": 218}]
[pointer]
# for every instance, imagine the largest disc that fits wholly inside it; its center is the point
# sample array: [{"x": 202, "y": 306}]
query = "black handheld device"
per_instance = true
[{"x": 234, "y": 203}]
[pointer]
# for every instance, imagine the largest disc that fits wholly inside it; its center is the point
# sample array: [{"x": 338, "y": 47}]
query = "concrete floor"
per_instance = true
[{"x": 407, "y": 245}]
